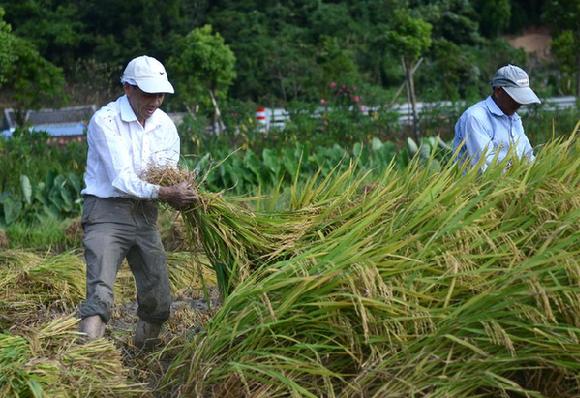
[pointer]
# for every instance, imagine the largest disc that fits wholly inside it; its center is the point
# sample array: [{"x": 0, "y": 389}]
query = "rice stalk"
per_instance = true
[
  {"x": 234, "y": 239},
  {"x": 47, "y": 360},
  {"x": 187, "y": 271},
  {"x": 437, "y": 282},
  {"x": 34, "y": 286}
]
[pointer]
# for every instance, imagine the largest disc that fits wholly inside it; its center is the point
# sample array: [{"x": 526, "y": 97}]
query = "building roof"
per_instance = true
[{"x": 69, "y": 121}]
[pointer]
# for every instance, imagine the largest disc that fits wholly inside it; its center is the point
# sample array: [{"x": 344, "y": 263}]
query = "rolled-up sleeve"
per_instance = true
[{"x": 112, "y": 149}]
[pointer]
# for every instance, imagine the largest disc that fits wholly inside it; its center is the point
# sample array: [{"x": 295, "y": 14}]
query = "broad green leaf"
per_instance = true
[
  {"x": 49, "y": 179},
  {"x": 271, "y": 160},
  {"x": 55, "y": 199},
  {"x": 67, "y": 199},
  {"x": 26, "y": 188},
  {"x": 12, "y": 209},
  {"x": 40, "y": 193},
  {"x": 253, "y": 163},
  {"x": 413, "y": 148},
  {"x": 75, "y": 180},
  {"x": 59, "y": 182},
  {"x": 52, "y": 210},
  {"x": 425, "y": 150},
  {"x": 357, "y": 149}
]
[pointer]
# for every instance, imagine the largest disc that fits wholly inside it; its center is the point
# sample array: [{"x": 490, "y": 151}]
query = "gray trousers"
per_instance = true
[{"x": 118, "y": 228}]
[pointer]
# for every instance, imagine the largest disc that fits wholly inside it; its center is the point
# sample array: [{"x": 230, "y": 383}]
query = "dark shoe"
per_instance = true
[
  {"x": 93, "y": 327},
  {"x": 146, "y": 335}
]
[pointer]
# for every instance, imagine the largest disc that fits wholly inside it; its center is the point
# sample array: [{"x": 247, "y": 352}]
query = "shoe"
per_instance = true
[
  {"x": 146, "y": 335},
  {"x": 93, "y": 327}
]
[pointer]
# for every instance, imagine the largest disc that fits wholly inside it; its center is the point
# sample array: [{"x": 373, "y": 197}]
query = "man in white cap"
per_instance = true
[
  {"x": 119, "y": 214},
  {"x": 491, "y": 127}
]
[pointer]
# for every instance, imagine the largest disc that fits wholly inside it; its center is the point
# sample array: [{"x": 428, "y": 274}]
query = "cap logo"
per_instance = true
[{"x": 523, "y": 81}]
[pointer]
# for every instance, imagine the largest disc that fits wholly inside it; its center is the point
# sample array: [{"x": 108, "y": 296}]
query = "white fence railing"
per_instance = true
[
  {"x": 267, "y": 118},
  {"x": 277, "y": 117}
]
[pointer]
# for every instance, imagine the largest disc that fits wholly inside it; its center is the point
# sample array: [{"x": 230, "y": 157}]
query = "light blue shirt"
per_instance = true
[{"x": 487, "y": 131}]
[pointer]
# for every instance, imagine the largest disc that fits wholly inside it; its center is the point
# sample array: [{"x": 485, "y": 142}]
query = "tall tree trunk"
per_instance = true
[
  {"x": 408, "y": 67},
  {"x": 404, "y": 85}
]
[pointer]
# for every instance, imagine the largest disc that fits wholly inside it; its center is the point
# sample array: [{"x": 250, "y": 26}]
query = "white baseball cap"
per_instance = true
[
  {"x": 516, "y": 83},
  {"x": 148, "y": 74}
]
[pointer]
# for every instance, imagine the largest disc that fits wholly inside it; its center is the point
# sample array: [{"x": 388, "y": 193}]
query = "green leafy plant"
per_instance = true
[{"x": 58, "y": 196}]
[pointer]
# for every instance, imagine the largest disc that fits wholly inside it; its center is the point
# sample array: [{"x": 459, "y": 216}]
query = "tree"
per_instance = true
[
  {"x": 409, "y": 38},
  {"x": 52, "y": 26},
  {"x": 292, "y": 66},
  {"x": 450, "y": 70},
  {"x": 455, "y": 68},
  {"x": 275, "y": 49},
  {"x": 565, "y": 51},
  {"x": 250, "y": 41},
  {"x": 494, "y": 16},
  {"x": 27, "y": 79},
  {"x": 7, "y": 56},
  {"x": 333, "y": 20},
  {"x": 525, "y": 13},
  {"x": 454, "y": 21},
  {"x": 564, "y": 18},
  {"x": 283, "y": 50},
  {"x": 203, "y": 65},
  {"x": 34, "y": 82},
  {"x": 337, "y": 62}
]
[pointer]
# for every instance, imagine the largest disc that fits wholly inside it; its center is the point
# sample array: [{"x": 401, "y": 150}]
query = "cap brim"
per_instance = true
[
  {"x": 155, "y": 86},
  {"x": 522, "y": 95}
]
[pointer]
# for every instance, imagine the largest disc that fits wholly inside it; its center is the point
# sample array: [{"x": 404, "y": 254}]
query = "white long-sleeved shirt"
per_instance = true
[
  {"x": 487, "y": 131},
  {"x": 120, "y": 149}
]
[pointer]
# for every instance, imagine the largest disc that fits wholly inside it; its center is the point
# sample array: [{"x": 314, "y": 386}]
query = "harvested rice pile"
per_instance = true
[
  {"x": 4, "y": 241},
  {"x": 434, "y": 283},
  {"x": 41, "y": 352},
  {"x": 235, "y": 239},
  {"x": 32, "y": 287},
  {"x": 428, "y": 281},
  {"x": 187, "y": 271},
  {"x": 48, "y": 361}
]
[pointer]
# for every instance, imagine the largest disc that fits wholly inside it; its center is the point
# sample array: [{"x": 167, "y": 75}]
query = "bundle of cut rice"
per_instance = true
[
  {"x": 32, "y": 286},
  {"x": 437, "y": 282},
  {"x": 235, "y": 239},
  {"x": 47, "y": 361}
]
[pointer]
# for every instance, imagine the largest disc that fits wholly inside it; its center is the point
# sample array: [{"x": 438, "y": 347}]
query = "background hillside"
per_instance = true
[{"x": 59, "y": 52}]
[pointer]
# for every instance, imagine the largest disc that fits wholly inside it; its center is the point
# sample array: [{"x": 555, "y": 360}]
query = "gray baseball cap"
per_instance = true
[{"x": 516, "y": 83}]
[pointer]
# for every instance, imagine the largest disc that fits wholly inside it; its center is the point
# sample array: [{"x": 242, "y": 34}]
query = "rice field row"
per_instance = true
[{"x": 427, "y": 281}]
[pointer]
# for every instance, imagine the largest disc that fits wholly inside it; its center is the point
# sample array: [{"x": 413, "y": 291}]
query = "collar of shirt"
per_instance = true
[
  {"x": 128, "y": 114},
  {"x": 493, "y": 108}
]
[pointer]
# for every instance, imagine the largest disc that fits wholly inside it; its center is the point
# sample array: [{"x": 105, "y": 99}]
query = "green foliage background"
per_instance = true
[
  {"x": 287, "y": 51},
  {"x": 333, "y": 55}
]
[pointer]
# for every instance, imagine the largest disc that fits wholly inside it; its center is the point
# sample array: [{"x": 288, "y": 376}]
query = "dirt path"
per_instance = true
[
  {"x": 535, "y": 42},
  {"x": 190, "y": 312}
]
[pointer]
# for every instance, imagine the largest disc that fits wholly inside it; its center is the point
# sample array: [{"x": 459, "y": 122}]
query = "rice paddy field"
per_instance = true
[{"x": 424, "y": 281}]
